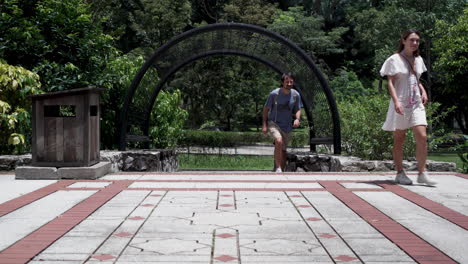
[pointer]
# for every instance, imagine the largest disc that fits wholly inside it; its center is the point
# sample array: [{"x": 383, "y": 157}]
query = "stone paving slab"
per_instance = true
[{"x": 234, "y": 217}]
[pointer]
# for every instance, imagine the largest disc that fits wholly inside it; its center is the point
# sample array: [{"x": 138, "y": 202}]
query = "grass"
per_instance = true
[
  {"x": 250, "y": 162},
  {"x": 448, "y": 157},
  {"x": 225, "y": 162}
]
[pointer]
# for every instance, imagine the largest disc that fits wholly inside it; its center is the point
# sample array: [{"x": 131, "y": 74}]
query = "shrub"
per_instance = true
[
  {"x": 58, "y": 39},
  {"x": 346, "y": 85},
  {"x": 16, "y": 83},
  {"x": 222, "y": 139},
  {"x": 361, "y": 132},
  {"x": 362, "y": 135},
  {"x": 464, "y": 155},
  {"x": 167, "y": 120},
  {"x": 116, "y": 79}
]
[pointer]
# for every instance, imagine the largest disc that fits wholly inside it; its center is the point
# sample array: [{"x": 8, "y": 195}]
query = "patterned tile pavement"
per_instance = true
[{"x": 234, "y": 217}]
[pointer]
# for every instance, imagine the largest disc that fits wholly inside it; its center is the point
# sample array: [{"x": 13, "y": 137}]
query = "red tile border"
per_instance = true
[
  {"x": 16, "y": 203},
  {"x": 433, "y": 207},
  {"x": 461, "y": 175},
  {"x": 31, "y": 245},
  {"x": 229, "y": 189},
  {"x": 414, "y": 246}
]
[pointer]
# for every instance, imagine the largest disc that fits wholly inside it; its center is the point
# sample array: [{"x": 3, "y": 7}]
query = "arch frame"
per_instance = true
[{"x": 123, "y": 123}]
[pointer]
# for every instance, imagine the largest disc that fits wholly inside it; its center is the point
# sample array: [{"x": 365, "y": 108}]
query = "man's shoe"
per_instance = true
[
  {"x": 402, "y": 178},
  {"x": 278, "y": 170},
  {"x": 424, "y": 178}
]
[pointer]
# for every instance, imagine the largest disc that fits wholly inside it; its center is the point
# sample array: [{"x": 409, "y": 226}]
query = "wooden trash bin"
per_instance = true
[{"x": 65, "y": 128}]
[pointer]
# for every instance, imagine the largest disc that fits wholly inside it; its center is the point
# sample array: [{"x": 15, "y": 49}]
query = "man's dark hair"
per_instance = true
[{"x": 289, "y": 74}]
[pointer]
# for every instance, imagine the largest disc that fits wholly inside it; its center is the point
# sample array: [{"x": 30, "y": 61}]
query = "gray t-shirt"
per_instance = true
[{"x": 282, "y": 111}]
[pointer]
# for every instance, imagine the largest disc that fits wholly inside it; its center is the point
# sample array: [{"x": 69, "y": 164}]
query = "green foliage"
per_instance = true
[
  {"x": 306, "y": 31},
  {"x": 226, "y": 139},
  {"x": 220, "y": 139},
  {"x": 346, "y": 86},
  {"x": 464, "y": 156},
  {"x": 257, "y": 12},
  {"x": 362, "y": 134},
  {"x": 451, "y": 46},
  {"x": 16, "y": 83},
  {"x": 139, "y": 24},
  {"x": 377, "y": 28},
  {"x": 56, "y": 38},
  {"x": 162, "y": 20},
  {"x": 436, "y": 115},
  {"x": 236, "y": 90},
  {"x": 115, "y": 80},
  {"x": 225, "y": 162},
  {"x": 167, "y": 120}
]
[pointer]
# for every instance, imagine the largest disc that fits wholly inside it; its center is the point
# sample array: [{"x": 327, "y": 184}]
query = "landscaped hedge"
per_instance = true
[{"x": 222, "y": 139}]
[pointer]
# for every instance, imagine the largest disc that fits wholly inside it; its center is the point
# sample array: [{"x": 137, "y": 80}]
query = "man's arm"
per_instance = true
[
  {"x": 297, "y": 120},
  {"x": 266, "y": 109}
]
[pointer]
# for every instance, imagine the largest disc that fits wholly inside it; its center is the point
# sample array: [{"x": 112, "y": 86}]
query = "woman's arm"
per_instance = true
[
  {"x": 392, "y": 91},
  {"x": 424, "y": 97}
]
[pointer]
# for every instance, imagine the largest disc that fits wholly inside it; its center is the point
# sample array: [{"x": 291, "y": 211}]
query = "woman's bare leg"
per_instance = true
[
  {"x": 421, "y": 147},
  {"x": 398, "y": 141}
]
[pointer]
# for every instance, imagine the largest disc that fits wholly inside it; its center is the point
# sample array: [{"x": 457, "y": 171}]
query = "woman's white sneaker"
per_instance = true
[
  {"x": 402, "y": 178},
  {"x": 278, "y": 170},
  {"x": 424, "y": 178}
]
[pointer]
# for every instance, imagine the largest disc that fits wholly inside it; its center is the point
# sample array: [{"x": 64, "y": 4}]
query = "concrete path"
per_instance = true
[{"x": 234, "y": 217}]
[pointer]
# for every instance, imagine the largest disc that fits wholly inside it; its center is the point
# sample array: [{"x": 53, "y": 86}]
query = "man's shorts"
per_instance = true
[{"x": 276, "y": 132}]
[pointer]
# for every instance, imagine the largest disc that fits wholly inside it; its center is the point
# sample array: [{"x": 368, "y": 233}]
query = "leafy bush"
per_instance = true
[
  {"x": 116, "y": 79},
  {"x": 361, "y": 132},
  {"x": 16, "y": 83},
  {"x": 167, "y": 120},
  {"x": 58, "y": 39},
  {"x": 464, "y": 159},
  {"x": 362, "y": 135},
  {"x": 222, "y": 139},
  {"x": 346, "y": 85}
]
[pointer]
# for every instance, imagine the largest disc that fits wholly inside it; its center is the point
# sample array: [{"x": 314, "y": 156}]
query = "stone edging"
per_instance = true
[
  {"x": 166, "y": 161},
  {"x": 139, "y": 160},
  {"x": 307, "y": 161}
]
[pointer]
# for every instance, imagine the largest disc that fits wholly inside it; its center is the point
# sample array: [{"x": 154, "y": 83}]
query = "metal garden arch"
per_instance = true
[{"x": 234, "y": 39}]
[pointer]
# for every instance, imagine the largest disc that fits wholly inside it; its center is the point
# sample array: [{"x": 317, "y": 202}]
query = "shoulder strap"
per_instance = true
[
  {"x": 411, "y": 67},
  {"x": 409, "y": 64}
]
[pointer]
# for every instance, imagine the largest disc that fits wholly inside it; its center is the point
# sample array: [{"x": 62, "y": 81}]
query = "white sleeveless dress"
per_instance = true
[{"x": 407, "y": 92}]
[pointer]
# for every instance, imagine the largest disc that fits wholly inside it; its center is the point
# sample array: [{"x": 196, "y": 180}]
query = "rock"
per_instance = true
[
  {"x": 139, "y": 160},
  {"x": 441, "y": 166},
  {"x": 300, "y": 170},
  {"x": 10, "y": 162},
  {"x": 308, "y": 161}
]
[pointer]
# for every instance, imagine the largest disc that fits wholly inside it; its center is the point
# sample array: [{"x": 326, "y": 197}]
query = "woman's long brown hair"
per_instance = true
[{"x": 404, "y": 36}]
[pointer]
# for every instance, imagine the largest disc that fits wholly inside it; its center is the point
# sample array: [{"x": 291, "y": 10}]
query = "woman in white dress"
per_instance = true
[{"x": 406, "y": 109}]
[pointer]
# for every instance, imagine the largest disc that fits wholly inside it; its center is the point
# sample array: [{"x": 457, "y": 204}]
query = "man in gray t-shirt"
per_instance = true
[{"x": 281, "y": 105}]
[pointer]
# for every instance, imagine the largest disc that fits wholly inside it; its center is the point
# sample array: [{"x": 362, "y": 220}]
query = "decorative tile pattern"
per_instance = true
[
  {"x": 345, "y": 258},
  {"x": 136, "y": 218},
  {"x": 225, "y": 258},
  {"x": 327, "y": 235},
  {"x": 313, "y": 219},
  {"x": 123, "y": 234},
  {"x": 199, "y": 220},
  {"x": 103, "y": 257},
  {"x": 225, "y": 235}
]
